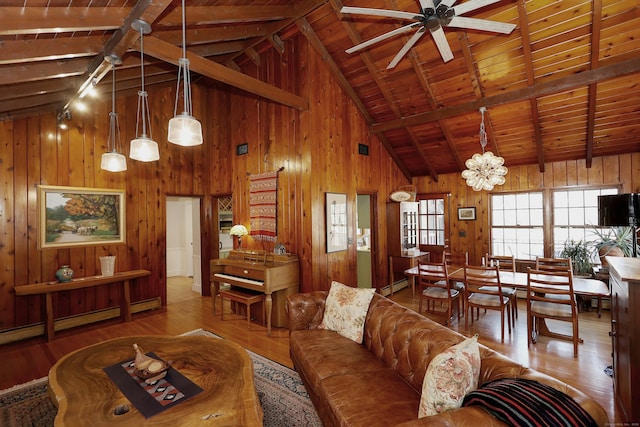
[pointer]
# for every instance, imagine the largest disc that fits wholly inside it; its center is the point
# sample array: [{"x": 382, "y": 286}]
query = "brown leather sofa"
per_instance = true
[{"x": 378, "y": 383}]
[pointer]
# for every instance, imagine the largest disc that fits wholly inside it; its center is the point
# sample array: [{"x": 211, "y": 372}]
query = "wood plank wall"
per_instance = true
[
  {"x": 317, "y": 148},
  {"x": 621, "y": 170}
]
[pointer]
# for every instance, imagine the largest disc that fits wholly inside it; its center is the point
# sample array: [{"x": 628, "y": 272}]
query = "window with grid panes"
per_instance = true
[
  {"x": 517, "y": 225},
  {"x": 431, "y": 221},
  {"x": 575, "y": 214}
]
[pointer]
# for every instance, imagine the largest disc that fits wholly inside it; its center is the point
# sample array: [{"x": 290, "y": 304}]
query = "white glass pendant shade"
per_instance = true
[
  {"x": 185, "y": 130},
  {"x": 144, "y": 149},
  {"x": 113, "y": 162}
]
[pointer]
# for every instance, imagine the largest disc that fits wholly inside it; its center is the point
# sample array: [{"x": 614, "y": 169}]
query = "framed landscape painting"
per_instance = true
[{"x": 76, "y": 216}]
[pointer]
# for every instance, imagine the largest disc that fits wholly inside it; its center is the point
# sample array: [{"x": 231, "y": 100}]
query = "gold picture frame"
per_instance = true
[{"x": 77, "y": 216}]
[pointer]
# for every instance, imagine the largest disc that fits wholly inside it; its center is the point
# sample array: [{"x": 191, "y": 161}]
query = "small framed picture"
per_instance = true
[
  {"x": 466, "y": 214},
  {"x": 336, "y": 217}
]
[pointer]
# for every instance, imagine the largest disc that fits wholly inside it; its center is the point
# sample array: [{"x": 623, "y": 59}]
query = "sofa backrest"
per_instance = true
[{"x": 405, "y": 340}]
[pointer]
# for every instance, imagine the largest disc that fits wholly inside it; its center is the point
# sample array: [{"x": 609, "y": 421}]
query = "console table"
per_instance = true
[{"x": 47, "y": 288}]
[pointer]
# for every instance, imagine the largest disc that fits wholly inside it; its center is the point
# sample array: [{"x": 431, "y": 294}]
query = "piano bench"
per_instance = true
[{"x": 239, "y": 296}]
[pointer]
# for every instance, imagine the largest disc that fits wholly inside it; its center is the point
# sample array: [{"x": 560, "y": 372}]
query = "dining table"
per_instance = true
[{"x": 582, "y": 286}]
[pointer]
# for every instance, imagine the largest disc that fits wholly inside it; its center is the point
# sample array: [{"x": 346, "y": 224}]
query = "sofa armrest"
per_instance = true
[{"x": 305, "y": 310}]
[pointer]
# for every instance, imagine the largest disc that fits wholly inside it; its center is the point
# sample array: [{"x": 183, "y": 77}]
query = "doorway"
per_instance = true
[
  {"x": 365, "y": 240},
  {"x": 184, "y": 274}
]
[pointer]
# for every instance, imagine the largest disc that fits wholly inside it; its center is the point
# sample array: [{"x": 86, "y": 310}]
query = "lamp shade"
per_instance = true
[
  {"x": 185, "y": 130},
  {"x": 144, "y": 150},
  {"x": 113, "y": 162},
  {"x": 238, "y": 230}
]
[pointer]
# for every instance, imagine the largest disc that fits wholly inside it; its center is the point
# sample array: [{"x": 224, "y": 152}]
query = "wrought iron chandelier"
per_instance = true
[{"x": 486, "y": 170}]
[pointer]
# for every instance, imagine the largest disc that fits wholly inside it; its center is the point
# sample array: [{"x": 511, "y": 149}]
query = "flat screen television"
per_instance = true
[{"x": 619, "y": 210}]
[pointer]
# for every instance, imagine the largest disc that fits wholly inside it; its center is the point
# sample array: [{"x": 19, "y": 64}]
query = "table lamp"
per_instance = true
[{"x": 239, "y": 230}]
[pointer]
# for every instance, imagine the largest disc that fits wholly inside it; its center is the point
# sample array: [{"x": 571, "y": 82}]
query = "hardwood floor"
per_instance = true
[{"x": 30, "y": 359}]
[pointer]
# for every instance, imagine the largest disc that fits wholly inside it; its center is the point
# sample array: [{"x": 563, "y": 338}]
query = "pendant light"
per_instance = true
[
  {"x": 486, "y": 170},
  {"x": 112, "y": 160},
  {"x": 184, "y": 129},
  {"x": 143, "y": 147}
]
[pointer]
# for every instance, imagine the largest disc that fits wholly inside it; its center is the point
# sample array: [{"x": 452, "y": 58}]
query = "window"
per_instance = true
[
  {"x": 575, "y": 214},
  {"x": 517, "y": 222},
  {"x": 431, "y": 221}
]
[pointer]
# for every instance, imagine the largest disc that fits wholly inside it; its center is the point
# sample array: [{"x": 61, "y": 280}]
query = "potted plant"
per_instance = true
[
  {"x": 580, "y": 255},
  {"x": 613, "y": 241}
]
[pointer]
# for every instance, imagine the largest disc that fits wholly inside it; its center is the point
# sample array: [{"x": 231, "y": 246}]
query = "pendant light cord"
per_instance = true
[
  {"x": 143, "y": 93},
  {"x": 186, "y": 76}
]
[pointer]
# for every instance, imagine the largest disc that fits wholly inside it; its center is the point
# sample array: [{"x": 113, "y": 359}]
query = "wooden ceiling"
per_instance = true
[{"x": 564, "y": 85}]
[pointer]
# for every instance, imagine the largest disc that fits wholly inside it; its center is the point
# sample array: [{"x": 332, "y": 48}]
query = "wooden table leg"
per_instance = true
[
  {"x": 50, "y": 330},
  {"x": 268, "y": 304},
  {"x": 125, "y": 301},
  {"x": 215, "y": 287}
]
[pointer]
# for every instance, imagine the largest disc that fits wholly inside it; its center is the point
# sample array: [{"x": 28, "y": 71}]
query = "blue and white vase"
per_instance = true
[{"x": 64, "y": 274}]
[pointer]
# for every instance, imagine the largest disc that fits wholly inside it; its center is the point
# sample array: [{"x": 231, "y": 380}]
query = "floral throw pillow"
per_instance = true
[
  {"x": 450, "y": 376},
  {"x": 346, "y": 309}
]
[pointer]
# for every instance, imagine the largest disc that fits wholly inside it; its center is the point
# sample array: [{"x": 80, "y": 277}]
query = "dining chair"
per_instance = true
[
  {"x": 457, "y": 260},
  {"x": 550, "y": 296},
  {"x": 553, "y": 264},
  {"x": 484, "y": 290},
  {"x": 506, "y": 263},
  {"x": 435, "y": 286}
]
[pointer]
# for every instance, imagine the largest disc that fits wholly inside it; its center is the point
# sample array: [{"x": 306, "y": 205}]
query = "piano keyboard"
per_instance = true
[{"x": 230, "y": 278}]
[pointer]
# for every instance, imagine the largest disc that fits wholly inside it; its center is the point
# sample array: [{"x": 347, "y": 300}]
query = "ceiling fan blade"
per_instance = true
[
  {"x": 428, "y": 4},
  {"x": 468, "y": 6},
  {"x": 447, "y": 3},
  {"x": 442, "y": 44},
  {"x": 382, "y": 37},
  {"x": 408, "y": 45},
  {"x": 380, "y": 12},
  {"x": 481, "y": 24}
]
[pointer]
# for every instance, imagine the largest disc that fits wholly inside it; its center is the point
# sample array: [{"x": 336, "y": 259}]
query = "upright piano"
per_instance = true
[{"x": 275, "y": 275}]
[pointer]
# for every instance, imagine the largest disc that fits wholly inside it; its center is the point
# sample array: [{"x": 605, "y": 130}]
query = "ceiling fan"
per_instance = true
[{"x": 434, "y": 14}]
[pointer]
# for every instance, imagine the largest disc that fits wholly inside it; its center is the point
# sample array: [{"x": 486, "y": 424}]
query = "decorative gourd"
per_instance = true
[{"x": 148, "y": 368}]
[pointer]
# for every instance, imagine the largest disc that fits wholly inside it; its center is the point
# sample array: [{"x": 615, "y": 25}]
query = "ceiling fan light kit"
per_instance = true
[{"x": 433, "y": 16}]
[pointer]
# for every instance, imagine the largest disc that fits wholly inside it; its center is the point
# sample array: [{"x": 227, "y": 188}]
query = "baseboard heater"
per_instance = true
[
  {"x": 37, "y": 329},
  {"x": 400, "y": 284}
]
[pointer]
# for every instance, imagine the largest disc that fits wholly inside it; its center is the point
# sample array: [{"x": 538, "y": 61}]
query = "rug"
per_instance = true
[
  {"x": 284, "y": 400},
  {"x": 263, "y": 196}
]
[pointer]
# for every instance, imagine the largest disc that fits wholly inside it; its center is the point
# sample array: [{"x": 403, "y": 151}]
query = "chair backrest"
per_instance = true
[
  {"x": 553, "y": 264},
  {"x": 551, "y": 286},
  {"x": 482, "y": 280},
  {"x": 433, "y": 274},
  {"x": 456, "y": 259},
  {"x": 503, "y": 262}
]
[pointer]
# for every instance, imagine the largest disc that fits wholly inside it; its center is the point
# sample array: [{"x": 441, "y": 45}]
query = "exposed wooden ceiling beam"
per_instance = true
[
  {"x": 203, "y": 15},
  {"x": 629, "y": 66},
  {"x": 121, "y": 41},
  {"x": 16, "y": 51},
  {"x": 46, "y": 70},
  {"x": 34, "y": 20},
  {"x": 596, "y": 23},
  {"x": 171, "y": 53}
]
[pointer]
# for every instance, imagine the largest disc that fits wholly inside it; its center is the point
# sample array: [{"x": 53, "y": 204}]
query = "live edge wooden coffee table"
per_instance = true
[{"x": 85, "y": 395}]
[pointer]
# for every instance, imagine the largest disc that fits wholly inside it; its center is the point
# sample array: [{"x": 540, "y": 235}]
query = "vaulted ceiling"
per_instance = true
[{"x": 564, "y": 85}]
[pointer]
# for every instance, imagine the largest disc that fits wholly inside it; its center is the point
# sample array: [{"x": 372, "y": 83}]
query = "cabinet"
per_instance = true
[
  {"x": 403, "y": 239},
  {"x": 624, "y": 276},
  {"x": 402, "y": 227}
]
